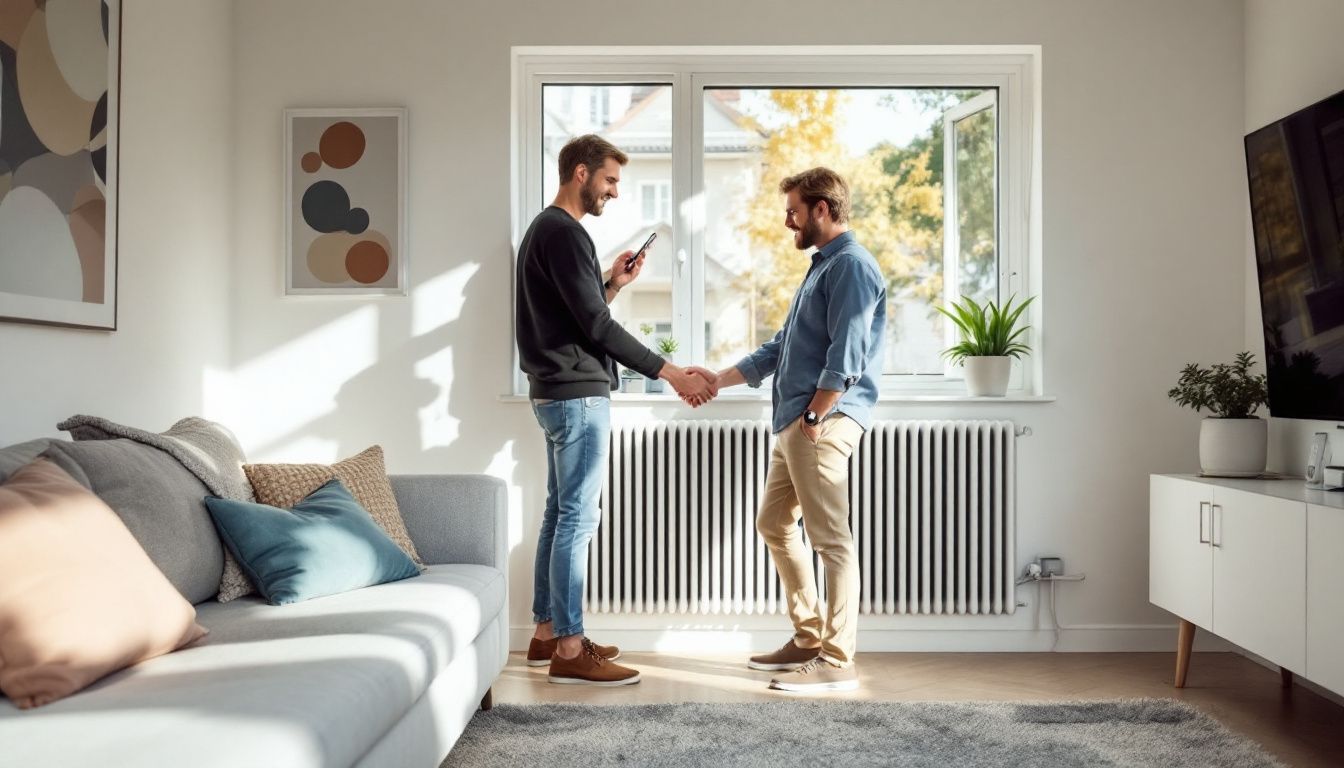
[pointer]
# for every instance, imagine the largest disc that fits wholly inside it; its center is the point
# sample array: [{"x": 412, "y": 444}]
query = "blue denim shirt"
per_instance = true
[{"x": 831, "y": 339}]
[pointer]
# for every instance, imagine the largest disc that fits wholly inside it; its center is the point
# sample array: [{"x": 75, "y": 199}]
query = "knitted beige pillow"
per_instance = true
[{"x": 364, "y": 474}]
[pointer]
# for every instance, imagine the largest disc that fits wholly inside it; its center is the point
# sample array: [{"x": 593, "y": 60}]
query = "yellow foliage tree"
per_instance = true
[{"x": 906, "y": 246}]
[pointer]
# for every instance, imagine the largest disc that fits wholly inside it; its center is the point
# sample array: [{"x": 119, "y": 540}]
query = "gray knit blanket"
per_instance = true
[{"x": 208, "y": 450}]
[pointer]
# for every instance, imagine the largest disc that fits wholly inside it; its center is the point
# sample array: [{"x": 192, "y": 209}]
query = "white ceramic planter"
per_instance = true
[
  {"x": 987, "y": 376},
  {"x": 1233, "y": 447}
]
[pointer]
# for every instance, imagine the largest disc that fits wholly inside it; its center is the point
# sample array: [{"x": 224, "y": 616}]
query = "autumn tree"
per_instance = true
[{"x": 897, "y": 204}]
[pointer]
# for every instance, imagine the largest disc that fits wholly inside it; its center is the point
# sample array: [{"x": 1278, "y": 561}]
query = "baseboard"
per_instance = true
[{"x": 730, "y": 639}]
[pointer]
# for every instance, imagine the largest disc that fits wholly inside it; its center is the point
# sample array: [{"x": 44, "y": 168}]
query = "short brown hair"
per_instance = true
[
  {"x": 820, "y": 184},
  {"x": 591, "y": 151}
]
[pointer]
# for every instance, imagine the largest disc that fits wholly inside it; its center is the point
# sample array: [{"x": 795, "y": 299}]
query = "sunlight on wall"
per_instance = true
[
  {"x": 269, "y": 400},
  {"x": 503, "y": 466},
  {"x": 302, "y": 450},
  {"x": 438, "y": 301},
  {"x": 438, "y": 428}
]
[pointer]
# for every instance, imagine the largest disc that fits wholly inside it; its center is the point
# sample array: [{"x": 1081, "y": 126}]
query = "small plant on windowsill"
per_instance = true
[
  {"x": 1233, "y": 442},
  {"x": 667, "y": 347},
  {"x": 989, "y": 342}
]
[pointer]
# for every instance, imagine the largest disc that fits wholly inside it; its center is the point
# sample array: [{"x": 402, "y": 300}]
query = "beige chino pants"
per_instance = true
[{"x": 810, "y": 481}]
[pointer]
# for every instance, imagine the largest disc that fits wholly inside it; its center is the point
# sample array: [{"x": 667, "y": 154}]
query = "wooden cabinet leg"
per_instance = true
[
  {"x": 1183, "y": 646},
  {"x": 1285, "y": 678},
  {"x": 488, "y": 701}
]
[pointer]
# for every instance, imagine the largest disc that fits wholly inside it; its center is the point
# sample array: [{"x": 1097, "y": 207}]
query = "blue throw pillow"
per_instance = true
[{"x": 326, "y": 544}]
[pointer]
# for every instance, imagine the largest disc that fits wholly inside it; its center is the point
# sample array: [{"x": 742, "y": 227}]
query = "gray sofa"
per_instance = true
[{"x": 382, "y": 676}]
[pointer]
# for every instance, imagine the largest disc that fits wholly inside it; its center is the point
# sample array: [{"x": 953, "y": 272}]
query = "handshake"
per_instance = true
[{"x": 694, "y": 384}]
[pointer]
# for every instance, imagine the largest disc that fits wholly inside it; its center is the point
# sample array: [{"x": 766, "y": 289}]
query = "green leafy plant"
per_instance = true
[
  {"x": 988, "y": 331},
  {"x": 645, "y": 328},
  {"x": 667, "y": 346},
  {"x": 1228, "y": 390}
]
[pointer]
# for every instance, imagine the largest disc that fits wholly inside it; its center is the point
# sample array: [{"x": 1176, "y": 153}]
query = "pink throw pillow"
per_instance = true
[{"x": 79, "y": 598}]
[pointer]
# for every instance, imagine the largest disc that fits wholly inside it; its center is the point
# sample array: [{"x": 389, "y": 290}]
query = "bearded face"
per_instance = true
[{"x": 807, "y": 235}]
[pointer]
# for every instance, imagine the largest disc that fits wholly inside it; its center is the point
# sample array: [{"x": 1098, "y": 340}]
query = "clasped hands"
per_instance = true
[{"x": 694, "y": 384}]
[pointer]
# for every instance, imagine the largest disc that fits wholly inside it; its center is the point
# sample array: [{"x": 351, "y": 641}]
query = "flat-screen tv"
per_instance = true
[{"x": 1296, "y": 171}]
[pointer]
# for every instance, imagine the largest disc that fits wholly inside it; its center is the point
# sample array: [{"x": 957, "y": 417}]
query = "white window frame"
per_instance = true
[
  {"x": 1013, "y": 70},
  {"x": 951, "y": 212}
]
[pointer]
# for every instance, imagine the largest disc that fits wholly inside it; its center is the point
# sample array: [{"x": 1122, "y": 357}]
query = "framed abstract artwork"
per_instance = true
[
  {"x": 60, "y": 65},
  {"x": 345, "y": 201}
]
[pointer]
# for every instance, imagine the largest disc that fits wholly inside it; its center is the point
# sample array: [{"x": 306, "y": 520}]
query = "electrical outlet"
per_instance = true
[{"x": 1051, "y": 566}]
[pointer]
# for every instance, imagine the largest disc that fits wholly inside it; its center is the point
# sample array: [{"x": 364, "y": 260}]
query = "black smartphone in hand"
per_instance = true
[{"x": 630, "y": 264}]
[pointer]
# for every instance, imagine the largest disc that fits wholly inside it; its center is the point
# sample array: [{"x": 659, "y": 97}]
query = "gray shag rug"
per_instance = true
[{"x": 1134, "y": 732}]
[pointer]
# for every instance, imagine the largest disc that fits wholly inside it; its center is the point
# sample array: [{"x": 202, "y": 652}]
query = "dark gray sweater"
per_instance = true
[{"x": 567, "y": 339}]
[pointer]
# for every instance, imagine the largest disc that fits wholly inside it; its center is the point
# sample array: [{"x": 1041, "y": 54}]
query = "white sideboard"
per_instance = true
[{"x": 1257, "y": 562}]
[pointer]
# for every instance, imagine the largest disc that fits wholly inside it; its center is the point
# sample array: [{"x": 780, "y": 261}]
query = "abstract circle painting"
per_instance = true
[{"x": 345, "y": 206}]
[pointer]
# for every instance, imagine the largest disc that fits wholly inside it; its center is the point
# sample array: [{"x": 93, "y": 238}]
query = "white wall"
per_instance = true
[
  {"x": 1143, "y": 209},
  {"x": 176, "y": 231},
  {"x": 1293, "y": 58}
]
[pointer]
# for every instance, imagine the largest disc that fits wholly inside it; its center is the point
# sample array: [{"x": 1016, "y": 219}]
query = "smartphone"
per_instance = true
[{"x": 629, "y": 265}]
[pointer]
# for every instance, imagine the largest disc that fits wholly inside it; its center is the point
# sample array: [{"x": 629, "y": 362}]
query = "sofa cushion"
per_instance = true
[
  {"x": 326, "y": 544},
  {"x": 161, "y": 503},
  {"x": 22, "y": 454},
  {"x": 365, "y": 474},
  {"x": 78, "y": 597},
  {"x": 315, "y": 683},
  {"x": 208, "y": 450}
]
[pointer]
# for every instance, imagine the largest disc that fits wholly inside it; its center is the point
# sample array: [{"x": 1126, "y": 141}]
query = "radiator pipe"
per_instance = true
[{"x": 1022, "y": 431}]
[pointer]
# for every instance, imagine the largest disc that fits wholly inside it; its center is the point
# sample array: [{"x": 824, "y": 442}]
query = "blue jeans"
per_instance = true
[{"x": 577, "y": 440}]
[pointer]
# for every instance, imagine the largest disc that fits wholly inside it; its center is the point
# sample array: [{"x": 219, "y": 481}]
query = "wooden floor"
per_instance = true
[{"x": 1296, "y": 725}]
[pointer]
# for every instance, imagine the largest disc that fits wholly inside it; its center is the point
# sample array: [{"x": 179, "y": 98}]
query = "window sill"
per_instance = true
[{"x": 671, "y": 398}]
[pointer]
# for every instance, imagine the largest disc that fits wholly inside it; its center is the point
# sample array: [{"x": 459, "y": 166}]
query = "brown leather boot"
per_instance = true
[
  {"x": 589, "y": 668},
  {"x": 539, "y": 652}
]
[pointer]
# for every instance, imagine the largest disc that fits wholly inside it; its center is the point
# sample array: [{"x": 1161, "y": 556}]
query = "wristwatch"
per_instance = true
[{"x": 811, "y": 419}]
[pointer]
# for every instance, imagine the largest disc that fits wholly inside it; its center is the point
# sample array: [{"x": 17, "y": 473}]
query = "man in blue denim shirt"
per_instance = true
[{"x": 826, "y": 360}]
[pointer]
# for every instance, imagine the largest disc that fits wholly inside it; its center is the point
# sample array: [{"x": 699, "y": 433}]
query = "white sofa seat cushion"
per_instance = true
[{"x": 315, "y": 683}]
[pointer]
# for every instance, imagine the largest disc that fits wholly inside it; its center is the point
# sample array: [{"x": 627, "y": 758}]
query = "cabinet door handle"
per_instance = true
[
  {"x": 1203, "y": 505},
  {"x": 1215, "y": 539}
]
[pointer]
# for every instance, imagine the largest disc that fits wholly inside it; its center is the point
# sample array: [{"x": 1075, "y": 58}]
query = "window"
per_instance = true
[
  {"x": 599, "y": 113},
  {"x": 655, "y": 201},
  {"x": 937, "y": 149},
  {"x": 624, "y": 223}
]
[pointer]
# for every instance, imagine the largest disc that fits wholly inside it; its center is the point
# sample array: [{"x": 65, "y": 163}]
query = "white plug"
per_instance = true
[{"x": 1034, "y": 571}]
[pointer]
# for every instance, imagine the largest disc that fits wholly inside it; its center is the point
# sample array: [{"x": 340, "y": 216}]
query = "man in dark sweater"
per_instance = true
[{"x": 569, "y": 345}]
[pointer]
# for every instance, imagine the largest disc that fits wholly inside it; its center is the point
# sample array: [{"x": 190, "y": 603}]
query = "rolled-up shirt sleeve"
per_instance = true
[
  {"x": 854, "y": 292},
  {"x": 761, "y": 363}
]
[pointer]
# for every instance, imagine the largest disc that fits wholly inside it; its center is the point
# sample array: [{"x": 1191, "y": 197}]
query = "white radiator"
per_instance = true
[{"x": 931, "y": 507}]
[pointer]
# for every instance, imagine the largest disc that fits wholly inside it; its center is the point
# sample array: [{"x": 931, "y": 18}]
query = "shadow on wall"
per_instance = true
[{"x": 423, "y": 398}]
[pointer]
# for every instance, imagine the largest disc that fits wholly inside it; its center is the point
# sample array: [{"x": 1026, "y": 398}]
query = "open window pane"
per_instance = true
[
  {"x": 637, "y": 118},
  {"x": 889, "y": 145}
]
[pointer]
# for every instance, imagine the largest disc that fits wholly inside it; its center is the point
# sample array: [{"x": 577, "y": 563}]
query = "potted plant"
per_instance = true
[
  {"x": 631, "y": 381},
  {"x": 1232, "y": 441},
  {"x": 667, "y": 347},
  {"x": 989, "y": 342}
]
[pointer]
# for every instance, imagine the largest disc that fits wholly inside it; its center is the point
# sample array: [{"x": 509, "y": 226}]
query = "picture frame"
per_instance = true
[
  {"x": 59, "y": 167},
  {"x": 345, "y": 202}
]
